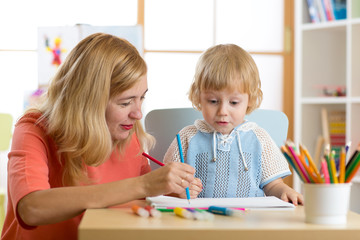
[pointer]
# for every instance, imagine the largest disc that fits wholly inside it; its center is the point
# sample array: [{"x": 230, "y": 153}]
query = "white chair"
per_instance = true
[
  {"x": 275, "y": 122},
  {"x": 164, "y": 124}
]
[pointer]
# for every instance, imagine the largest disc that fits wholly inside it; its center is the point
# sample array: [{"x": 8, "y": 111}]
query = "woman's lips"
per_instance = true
[{"x": 127, "y": 127}]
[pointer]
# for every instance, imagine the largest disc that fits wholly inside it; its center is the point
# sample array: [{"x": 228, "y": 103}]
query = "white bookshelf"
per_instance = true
[{"x": 326, "y": 53}]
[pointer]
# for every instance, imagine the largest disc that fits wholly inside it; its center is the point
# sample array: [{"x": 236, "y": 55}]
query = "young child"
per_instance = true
[{"x": 232, "y": 156}]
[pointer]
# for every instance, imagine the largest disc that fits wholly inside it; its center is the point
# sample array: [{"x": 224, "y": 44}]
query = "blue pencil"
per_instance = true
[{"x": 182, "y": 160}]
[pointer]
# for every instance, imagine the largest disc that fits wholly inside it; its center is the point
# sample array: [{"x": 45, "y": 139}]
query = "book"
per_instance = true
[
  {"x": 339, "y": 8},
  {"x": 320, "y": 8},
  {"x": 249, "y": 203},
  {"x": 313, "y": 12},
  {"x": 328, "y": 10}
]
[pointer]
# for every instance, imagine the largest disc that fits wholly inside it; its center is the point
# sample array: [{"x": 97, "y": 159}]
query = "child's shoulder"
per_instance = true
[
  {"x": 199, "y": 126},
  {"x": 254, "y": 127},
  {"x": 250, "y": 126}
]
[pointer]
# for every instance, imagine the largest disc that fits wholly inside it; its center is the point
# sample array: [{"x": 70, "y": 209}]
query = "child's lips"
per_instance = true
[{"x": 221, "y": 123}]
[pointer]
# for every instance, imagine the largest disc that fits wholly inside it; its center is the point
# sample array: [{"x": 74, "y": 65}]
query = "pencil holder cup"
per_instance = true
[{"x": 326, "y": 203}]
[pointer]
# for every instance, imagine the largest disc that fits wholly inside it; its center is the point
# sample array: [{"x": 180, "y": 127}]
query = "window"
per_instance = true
[
  {"x": 176, "y": 32},
  {"x": 175, "y": 37}
]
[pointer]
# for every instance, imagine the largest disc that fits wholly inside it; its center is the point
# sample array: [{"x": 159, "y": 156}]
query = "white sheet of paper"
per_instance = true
[{"x": 253, "y": 202}]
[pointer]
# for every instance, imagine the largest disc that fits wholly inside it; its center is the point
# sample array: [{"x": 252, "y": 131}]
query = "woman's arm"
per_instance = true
[
  {"x": 279, "y": 189},
  {"x": 59, "y": 204}
]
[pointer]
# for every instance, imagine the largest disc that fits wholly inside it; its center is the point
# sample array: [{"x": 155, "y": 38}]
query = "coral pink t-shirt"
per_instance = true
[{"x": 33, "y": 166}]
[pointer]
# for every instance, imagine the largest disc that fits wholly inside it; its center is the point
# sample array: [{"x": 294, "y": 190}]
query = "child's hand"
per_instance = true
[
  {"x": 293, "y": 197},
  {"x": 279, "y": 189},
  {"x": 195, "y": 188}
]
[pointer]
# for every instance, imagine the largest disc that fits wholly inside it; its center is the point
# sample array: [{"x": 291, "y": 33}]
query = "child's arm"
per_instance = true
[{"x": 279, "y": 189}]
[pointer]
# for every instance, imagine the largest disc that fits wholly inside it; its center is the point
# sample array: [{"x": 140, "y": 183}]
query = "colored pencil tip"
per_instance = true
[{"x": 189, "y": 201}]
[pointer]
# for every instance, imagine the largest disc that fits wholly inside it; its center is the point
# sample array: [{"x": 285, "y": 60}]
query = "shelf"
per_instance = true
[
  {"x": 355, "y": 100},
  {"x": 324, "y": 25},
  {"x": 323, "y": 100},
  {"x": 327, "y": 56},
  {"x": 355, "y": 21}
]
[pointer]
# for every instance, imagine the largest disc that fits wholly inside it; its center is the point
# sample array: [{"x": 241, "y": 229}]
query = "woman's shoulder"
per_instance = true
[{"x": 33, "y": 118}]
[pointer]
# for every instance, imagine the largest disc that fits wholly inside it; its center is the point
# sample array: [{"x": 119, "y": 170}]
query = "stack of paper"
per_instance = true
[{"x": 253, "y": 202}]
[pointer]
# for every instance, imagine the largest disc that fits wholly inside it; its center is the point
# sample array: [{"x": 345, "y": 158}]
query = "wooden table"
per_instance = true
[{"x": 121, "y": 223}]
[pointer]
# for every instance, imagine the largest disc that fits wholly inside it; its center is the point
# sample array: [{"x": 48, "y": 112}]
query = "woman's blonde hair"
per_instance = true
[
  {"x": 98, "y": 68},
  {"x": 227, "y": 66}
]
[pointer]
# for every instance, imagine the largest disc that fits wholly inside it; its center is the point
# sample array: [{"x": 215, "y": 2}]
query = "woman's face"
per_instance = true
[{"x": 124, "y": 109}]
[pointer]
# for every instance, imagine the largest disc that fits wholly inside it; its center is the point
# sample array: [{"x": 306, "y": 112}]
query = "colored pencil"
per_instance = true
[
  {"x": 312, "y": 164},
  {"x": 353, "y": 169},
  {"x": 333, "y": 167},
  {"x": 297, "y": 160},
  {"x": 347, "y": 148},
  {"x": 342, "y": 165},
  {"x": 182, "y": 160},
  {"x": 292, "y": 163},
  {"x": 308, "y": 170},
  {"x": 153, "y": 159},
  {"x": 325, "y": 171},
  {"x": 327, "y": 158},
  {"x": 353, "y": 156}
]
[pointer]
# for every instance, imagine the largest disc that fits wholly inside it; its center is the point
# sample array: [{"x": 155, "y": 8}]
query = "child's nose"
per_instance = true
[{"x": 222, "y": 109}]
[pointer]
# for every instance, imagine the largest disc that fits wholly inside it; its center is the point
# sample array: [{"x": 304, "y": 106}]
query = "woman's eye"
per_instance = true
[{"x": 125, "y": 104}]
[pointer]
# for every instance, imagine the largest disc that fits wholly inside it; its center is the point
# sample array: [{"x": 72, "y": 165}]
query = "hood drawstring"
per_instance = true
[
  {"x": 224, "y": 140},
  {"x": 241, "y": 152},
  {"x": 214, "y": 146}
]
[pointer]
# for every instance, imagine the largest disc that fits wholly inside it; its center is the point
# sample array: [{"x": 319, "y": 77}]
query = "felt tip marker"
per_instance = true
[
  {"x": 153, "y": 212},
  {"x": 142, "y": 212},
  {"x": 196, "y": 215},
  {"x": 207, "y": 215},
  {"x": 182, "y": 212},
  {"x": 165, "y": 209},
  {"x": 225, "y": 211}
]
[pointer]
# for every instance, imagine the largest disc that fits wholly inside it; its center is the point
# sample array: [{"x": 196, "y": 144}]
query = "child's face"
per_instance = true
[{"x": 224, "y": 109}]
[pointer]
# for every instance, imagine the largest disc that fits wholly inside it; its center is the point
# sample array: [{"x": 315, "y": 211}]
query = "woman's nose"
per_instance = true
[{"x": 136, "y": 112}]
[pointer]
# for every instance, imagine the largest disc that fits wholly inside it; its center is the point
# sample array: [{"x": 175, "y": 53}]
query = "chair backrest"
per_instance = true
[
  {"x": 275, "y": 122},
  {"x": 164, "y": 124},
  {"x": 6, "y": 122}
]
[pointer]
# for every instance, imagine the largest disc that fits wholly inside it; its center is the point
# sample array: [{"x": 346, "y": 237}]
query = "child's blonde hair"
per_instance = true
[{"x": 227, "y": 66}]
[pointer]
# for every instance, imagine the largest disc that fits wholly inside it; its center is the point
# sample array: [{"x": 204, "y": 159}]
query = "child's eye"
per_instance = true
[
  {"x": 234, "y": 102},
  {"x": 213, "y": 101}
]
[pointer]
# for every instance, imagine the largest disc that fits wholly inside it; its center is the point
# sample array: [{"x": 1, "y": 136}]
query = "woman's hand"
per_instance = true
[
  {"x": 174, "y": 177},
  {"x": 195, "y": 188}
]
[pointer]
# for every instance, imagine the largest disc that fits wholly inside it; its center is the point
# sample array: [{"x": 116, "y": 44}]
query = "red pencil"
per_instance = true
[{"x": 153, "y": 159}]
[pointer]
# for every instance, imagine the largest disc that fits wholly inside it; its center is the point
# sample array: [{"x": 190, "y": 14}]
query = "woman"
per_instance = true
[{"x": 81, "y": 148}]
